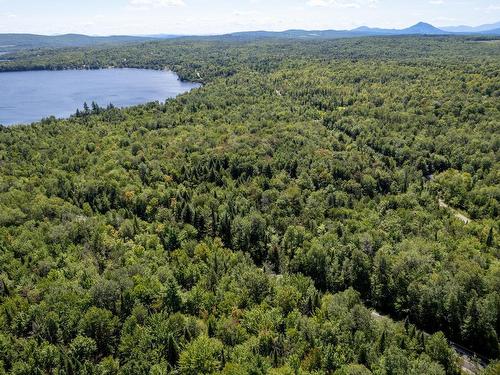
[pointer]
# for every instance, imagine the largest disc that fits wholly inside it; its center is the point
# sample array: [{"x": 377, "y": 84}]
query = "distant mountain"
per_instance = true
[
  {"x": 424, "y": 29},
  {"x": 472, "y": 29},
  {"x": 292, "y": 34},
  {"x": 16, "y": 42},
  {"x": 163, "y": 36},
  {"x": 375, "y": 31},
  {"x": 421, "y": 28},
  {"x": 491, "y": 32}
]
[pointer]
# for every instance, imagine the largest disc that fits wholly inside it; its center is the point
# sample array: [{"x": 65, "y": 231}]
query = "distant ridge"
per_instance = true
[
  {"x": 421, "y": 28},
  {"x": 473, "y": 29},
  {"x": 491, "y": 32},
  {"x": 163, "y": 36},
  {"x": 17, "y": 42}
]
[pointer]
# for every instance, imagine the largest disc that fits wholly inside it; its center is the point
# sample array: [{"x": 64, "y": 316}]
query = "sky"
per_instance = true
[{"x": 203, "y": 17}]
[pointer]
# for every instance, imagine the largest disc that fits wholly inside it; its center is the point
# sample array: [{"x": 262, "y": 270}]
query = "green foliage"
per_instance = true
[
  {"x": 243, "y": 227},
  {"x": 202, "y": 356}
]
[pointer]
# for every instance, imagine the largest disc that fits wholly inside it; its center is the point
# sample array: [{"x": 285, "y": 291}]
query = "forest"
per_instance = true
[{"x": 284, "y": 218}]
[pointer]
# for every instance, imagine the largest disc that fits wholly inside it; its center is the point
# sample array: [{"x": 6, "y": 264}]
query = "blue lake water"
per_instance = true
[{"x": 26, "y": 97}]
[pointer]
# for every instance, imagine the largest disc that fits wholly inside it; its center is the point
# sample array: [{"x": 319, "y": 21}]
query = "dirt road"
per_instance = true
[
  {"x": 470, "y": 363},
  {"x": 457, "y": 214}
]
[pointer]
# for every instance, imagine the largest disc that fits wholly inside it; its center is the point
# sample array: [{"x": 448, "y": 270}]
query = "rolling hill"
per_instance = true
[
  {"x": 16, "y": 42},
  {"x": 473, "y": 29},
  {"x": 420, "y": 28}
]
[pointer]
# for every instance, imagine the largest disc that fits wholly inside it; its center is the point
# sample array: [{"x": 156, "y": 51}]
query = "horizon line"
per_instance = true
[{"x": 152, "y": 35}]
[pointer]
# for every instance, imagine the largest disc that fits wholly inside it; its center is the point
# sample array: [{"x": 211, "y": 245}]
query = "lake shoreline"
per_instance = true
[{"x": 32, "y": 95}]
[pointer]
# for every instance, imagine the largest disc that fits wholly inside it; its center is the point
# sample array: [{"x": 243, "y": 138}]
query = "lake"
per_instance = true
[{"x": 26, "y": 97}]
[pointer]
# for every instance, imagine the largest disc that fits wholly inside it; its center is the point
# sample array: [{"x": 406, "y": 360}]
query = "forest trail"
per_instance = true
[
  {"x": 457, "y": 214},
  {"x": 443, "y": 204},
  {"x": 470, "y": 363}
]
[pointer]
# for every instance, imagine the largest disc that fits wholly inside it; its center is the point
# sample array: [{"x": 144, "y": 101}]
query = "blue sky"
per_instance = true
[{"x": 105, "y": 17}]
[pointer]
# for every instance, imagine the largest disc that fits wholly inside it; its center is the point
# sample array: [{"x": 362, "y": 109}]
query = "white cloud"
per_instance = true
[
  {"x": 334, "y": 3},
  {"x": 436, "y": 2},
  {"x": 147, "y": 4},
  {"x": 343, "y": 3},
  {"x": 8, "y": 15}
]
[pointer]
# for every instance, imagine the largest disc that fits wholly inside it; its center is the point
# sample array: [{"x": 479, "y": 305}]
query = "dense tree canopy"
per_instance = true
[{"x": 245, "y": 227}]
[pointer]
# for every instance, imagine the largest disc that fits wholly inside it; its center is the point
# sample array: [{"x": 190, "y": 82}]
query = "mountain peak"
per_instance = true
[
  {"x": 424, "y": 28},
  {"x": 362, "y": 28},
  {"x": 423, "y": 24}
]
